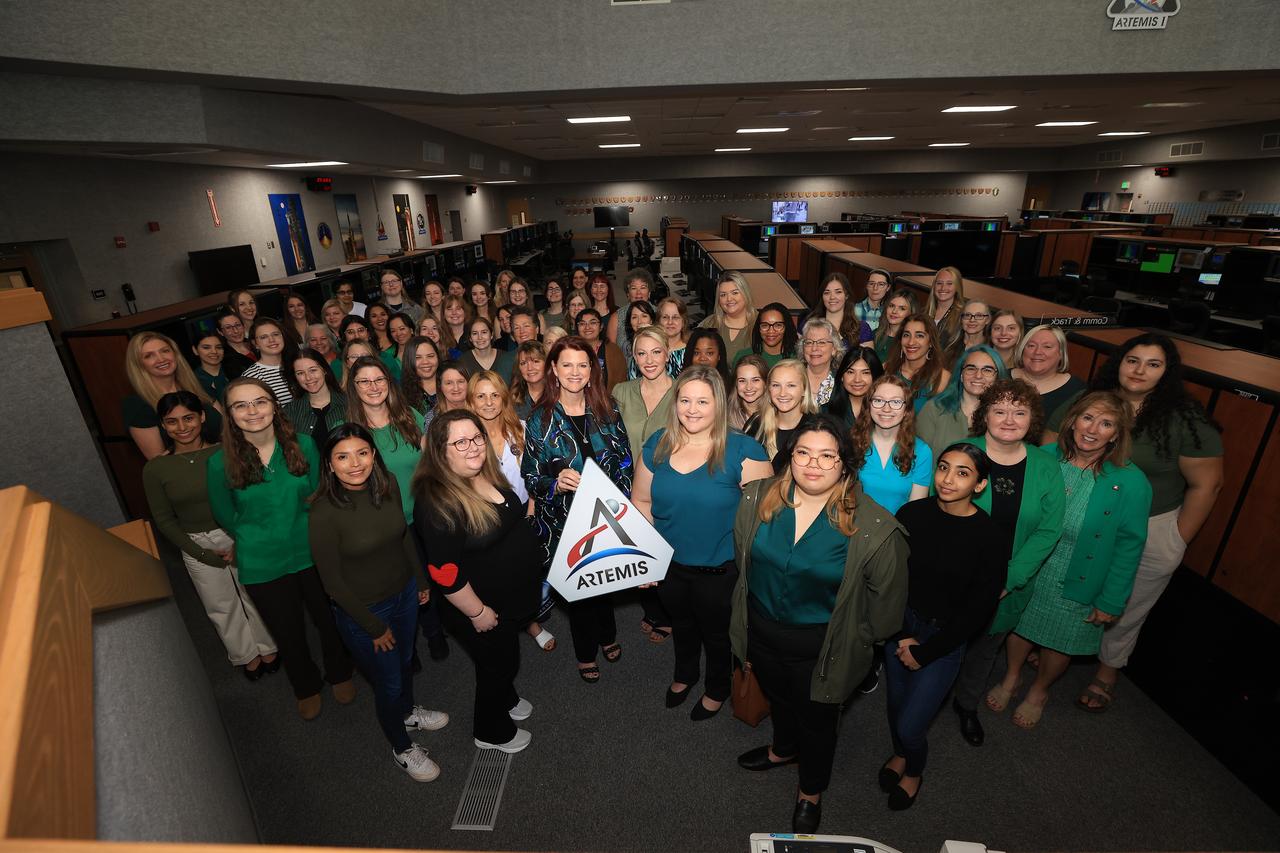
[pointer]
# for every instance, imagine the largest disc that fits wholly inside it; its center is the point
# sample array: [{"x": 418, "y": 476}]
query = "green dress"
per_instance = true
[{"x": 1051, "y": 619}]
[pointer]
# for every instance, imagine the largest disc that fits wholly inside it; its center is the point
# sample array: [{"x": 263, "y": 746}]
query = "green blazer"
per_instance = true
[
  {"x": 1037, "y": 532},
  {"x": 640, "y": 423},
  {"x": 869, "y": 604},
  {"x": 1111, "y": 538}
]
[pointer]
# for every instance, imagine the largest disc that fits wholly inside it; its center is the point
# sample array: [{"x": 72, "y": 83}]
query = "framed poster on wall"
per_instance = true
[
  {"x": 291, "y": 230},
  {"x": 404, "y": 222},
  {"x": 433, "y": 219},
  {"x": 349, "y": 229}
]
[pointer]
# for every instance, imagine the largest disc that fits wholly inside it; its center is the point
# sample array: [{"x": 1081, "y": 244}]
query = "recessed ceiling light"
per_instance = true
[
  {"x": 1173, "y": 104},
  {"x": 869, "y": 138},
  {"x": 401, "y": 170},
  {"x": 307, "y": 165},
  {"x": 763, "y": 129},
  {"x": 730, "y": 150},
  {"x": 497, "y": 182},
  {"x": 795, "y": 113},
  {"x": 981, "y": 109},
  {"x": 598, "y": 119},
  {"x": 1125, "y": 133},
  {"x": 1131, "y": 166},
  {"x": 439, "y": 176},
  {"x": 837, "y": 89},
  {"x": 1065, "y": 123},
  {"x": 828, "y": 127},
  {"x": 947, "y": 144},
  {"x": 620, "y": 145}
]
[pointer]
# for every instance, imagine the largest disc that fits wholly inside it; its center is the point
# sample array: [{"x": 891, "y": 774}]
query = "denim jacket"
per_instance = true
[{"x": 550, "y": 438}]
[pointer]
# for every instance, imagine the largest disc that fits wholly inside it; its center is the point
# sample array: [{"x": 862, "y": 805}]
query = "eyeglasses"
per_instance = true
[
  {"x": 881, "y": 402},
  {"x": 826, "y": 461},
  {"x": 971, "y": 316},
  {"x": 251, "y": 405},
  {"x": 226, "y": 327},
  {"x": 971, "y": 369},
  {"x": 371, "y": 383},
  {"x": 773, "y": 327},
  {"x": 816, "y": 344},
  {"x": 477, "y": 441}
]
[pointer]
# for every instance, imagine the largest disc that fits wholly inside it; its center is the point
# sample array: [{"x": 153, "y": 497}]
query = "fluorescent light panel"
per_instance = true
[
  {"x": 947, "y": 144},
  {"x": 763, "y": 129},
  {"x": 1125, "y": 133},
  {"x": 870, "y": 138},
  {"x": 598, "y": 119},
  {"x": 309, "y": 165},
  {"x": 730, "y": 150},
  {"x": 1065, "y": 123},
  {"x": 620, "y": 145},
  {"x": 981, "y": 109},
  {"x": 497, "y": 182},
  {"x": 439, "y": 176}
]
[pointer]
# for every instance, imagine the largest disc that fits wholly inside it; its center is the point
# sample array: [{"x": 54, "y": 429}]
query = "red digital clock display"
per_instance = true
[{"x": 319, "y": 184}]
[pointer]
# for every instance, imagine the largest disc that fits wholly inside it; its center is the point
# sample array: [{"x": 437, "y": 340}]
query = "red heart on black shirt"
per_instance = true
[{"x": 446, "y": 575}]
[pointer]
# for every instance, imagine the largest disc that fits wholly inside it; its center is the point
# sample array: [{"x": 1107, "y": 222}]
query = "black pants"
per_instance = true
[
  {"x": 496, "y": 657},
  {"x": 698, "y": 599},
  {"x": 783, "y": 657},
  {"x": 592, "y": 625},
  {"x": 975, "y": 670},
  {"x": 281, "y": 603},
  {"x": 654, "y": 612}
]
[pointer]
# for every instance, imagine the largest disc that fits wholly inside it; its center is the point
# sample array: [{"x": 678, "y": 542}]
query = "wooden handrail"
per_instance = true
[{"x": 56, "y": 571}]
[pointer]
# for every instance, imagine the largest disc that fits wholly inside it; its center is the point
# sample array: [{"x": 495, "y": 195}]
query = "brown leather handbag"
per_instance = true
[{"x": 749, "y": 702}]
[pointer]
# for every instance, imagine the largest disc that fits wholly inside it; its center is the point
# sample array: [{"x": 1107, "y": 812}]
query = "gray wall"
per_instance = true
[
  {"x": 47, "y": 446},
  {"x": 1259, "y": 179},
  {"x": 89, "y": 201},
  {"x": 536, "y": 46},
  {"x": 877, "y": 194}
]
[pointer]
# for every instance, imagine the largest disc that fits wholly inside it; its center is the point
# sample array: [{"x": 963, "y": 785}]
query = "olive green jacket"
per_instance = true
[{"x": 869, "y": 604}]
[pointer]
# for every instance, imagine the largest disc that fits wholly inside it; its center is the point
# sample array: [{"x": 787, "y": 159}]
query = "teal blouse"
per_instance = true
[
  {"x": 796, "y": 584},
  {"x": 401, "y": 458}
]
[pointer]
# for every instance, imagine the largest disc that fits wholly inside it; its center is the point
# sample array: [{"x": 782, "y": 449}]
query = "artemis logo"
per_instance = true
[{"x": 606, "y": 514}]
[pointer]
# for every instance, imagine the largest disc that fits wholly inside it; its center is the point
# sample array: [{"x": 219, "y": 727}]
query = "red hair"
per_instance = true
[
  {"x": 609, "y": 301},
  {"x": 597, "y": 395}
]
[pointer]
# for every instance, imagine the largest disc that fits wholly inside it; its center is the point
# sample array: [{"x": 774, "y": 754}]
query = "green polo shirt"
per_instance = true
[
  {"x": 796, "y": 584},
  {"x": 268, "y": 520},
  {"x": 401, "y": 458}
]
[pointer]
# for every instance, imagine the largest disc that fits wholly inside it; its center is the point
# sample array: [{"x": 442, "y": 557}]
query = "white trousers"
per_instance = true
[
  {"x": 227, "y": 603},
  {"x": 1160, "y": 558}
]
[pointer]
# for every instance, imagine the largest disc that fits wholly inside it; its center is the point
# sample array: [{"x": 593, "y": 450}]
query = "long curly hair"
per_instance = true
[
  {"x": 904, "y": 446},
  {"x": 927, "y": 377},
  {"x": 1169, "y": 399},
  {"x": 243, "y": 465}
]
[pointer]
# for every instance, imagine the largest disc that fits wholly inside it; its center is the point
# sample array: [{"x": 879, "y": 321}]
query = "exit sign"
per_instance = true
[
  {"x": 319, "y": 184},
  {"x": 1124, "y": 185}
]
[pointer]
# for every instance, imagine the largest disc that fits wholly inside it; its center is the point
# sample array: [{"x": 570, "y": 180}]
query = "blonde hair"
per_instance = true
[
  {"x": 143, "y": 383},
  {"x": 554, "y": 333},
  {"x": 512, "y": 429},
  {"x": 768, "y": 432},
  {"x": 741, "y": 282},
  {"x": 1064, "y": 364},
  {"x": 951, "y": 323},
  {"x": 1118, "y": 448},
  {"x": 674, "y": 438},
  {"x": 653, "y": 333}
]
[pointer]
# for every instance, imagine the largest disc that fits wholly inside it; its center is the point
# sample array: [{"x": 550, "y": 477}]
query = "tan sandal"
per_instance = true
[
  {"x": 1026, "y": 715},
  {"x": 1103, "y": 696},
  {"x": 998, "y": 698}
]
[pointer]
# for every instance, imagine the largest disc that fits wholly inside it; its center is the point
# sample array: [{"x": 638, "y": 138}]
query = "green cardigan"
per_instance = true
[
  {"x": 869, "y": 604},
  {"x": 1037, "y": 532},
  {"x": 1111, "y": 538}
]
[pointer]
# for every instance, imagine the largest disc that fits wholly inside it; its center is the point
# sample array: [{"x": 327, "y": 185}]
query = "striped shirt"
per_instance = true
[{"x": 271, "y": 375}]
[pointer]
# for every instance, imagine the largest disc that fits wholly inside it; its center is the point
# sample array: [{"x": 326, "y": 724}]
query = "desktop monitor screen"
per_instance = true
[
  {"x": 790, "y": 211},
  {"x": 612, "y": 216},
  {"x": 1189, "y": 259},
  {"x": 806, "y": 229},
  {"x": 1128, "y": 251},
  {"x": 479, "y": 251},
  {"x": 951, "y": 226},
  {"x": 1210, "y": 279},
  {"x": 896, "y": 227},
  {"x": 1158, "y": 262},
  {"x": 770, "y": 230},
  {"x": 430, "y": 262},
  {"x": 990, "y": 226}
]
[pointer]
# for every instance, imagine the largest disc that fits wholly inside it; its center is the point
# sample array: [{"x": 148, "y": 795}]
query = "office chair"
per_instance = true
[
  {"x": 631, "y": 259},
  {"x": 1189, "y": 318},
  {"x": 1271, "y": 334},
  {"x": 1103, "y": 305}
]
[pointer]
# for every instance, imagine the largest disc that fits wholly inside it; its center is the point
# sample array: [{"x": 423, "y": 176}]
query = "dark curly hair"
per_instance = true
[
  {"x": 1168, "y": 399},
  {"x": 1014, "y": 391}
]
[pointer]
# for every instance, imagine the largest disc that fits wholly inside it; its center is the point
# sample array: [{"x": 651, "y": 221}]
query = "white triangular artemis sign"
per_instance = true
[{"x": 607, "y": 544}]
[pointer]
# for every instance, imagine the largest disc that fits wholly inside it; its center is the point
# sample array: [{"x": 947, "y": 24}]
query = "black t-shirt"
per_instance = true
[
  {"x": 1005, "y": 482},
  {"x": 503, "y": 566}
]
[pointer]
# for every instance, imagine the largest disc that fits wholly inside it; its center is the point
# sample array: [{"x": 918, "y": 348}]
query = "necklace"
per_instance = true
[
  {"x": 190, "y": 454},
  {"x": 581, "y": 435}
]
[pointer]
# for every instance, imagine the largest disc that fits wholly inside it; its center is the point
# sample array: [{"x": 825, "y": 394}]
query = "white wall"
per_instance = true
[
  {"x": 1259, "y": 179},
  {"x": 703, "y": 201},
  {"x": 87, "y": 202}
]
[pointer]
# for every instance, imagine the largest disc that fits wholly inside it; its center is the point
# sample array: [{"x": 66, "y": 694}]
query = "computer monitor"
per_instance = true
[
  {"x": 1189, "y": 259},
  {"x": 770, "y": 230},
  {"x": 1157, "y": 261},
  {"x": 479, "y": 251},
  {"x": 1210, "y": 279},
  {"x": 612, "y": 216},
  {"x": 991, "y": 226},
  {"x": 896, "y": 227},
  {"x": 1128, "y": 252},
  {"x": 806, "y": 229},
  {"x": 951, "y": 226},
  {"x": 430, "y": 263},
  {"x": 790, "y": 211}
]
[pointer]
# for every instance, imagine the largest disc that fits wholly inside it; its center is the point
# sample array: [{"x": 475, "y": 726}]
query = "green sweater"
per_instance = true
[
  {"x": 268, "y": 520},
  {"x": 364, "y": 554},
  {"x": 1039, "y": 527},
  {"x": 869, "y": 604},
  {"x": 177, "y": 492}
]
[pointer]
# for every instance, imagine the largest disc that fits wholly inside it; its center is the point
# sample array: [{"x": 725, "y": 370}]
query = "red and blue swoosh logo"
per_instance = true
[{"x": 578, "y": 561}]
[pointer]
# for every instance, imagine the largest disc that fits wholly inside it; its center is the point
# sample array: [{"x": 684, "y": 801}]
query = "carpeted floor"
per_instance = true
[{"x": 611, "y": 769}]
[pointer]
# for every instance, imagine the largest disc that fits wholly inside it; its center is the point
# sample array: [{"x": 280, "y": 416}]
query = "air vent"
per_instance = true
[
  {"x": 1271, "y": 142},
  {"x": 1186, "y": 149},
  {"x": 1115, "y": 155},
  {"x": 504, "y": 167},
  {"x": 432, "y": 152},
  {"x": 476, "y": 162},
  {"x": 528, "y": 171},
  {"x": 156, "y": 152}
]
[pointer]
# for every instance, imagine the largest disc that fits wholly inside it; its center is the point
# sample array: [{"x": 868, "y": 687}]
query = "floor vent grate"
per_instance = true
[{"x": 482, "y": 795}]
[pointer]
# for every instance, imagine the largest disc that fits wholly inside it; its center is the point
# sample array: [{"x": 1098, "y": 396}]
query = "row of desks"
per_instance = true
[{"x": 707, "y": 255}]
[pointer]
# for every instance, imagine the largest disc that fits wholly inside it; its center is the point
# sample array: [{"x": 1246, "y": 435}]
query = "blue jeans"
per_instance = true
[
  {"x": 390, "y": 673},
  {"x": 914, "y": 696}
]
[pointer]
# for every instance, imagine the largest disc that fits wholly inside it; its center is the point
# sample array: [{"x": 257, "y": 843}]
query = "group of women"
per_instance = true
[{"x": 880, "y": 474}]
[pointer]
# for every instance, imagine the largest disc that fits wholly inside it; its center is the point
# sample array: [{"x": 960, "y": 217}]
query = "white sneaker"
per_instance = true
[
  {"x": 517, "y": 743},
  {"x": 522, "y": 710},
  {"x": 415, "y": 762},
  {"x": 422, "y": 720}
]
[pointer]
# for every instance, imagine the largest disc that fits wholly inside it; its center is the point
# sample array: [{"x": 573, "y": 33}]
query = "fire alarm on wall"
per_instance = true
[{"x": 471, "y": 189}]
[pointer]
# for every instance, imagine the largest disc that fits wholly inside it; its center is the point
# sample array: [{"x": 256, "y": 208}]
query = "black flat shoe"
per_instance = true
[
  {"x": 806, "y": 817},
  {"x": 676, "y": 699},
  {"x": 970, "y": 728},
  {"x": 271, "y": 667},
  {"x": 438, "y": 646},
  {"x": 900, "y": 800},
  {"x": 758, "y": 759},
  {"x": 888, "y": 779},
  {"x": 700, "y": 712},
  {"x": 415, "y": 663},
  {"x": 254, "y": 674}
]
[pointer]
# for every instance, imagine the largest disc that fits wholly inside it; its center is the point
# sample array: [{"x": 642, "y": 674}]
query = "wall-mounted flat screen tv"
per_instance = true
[
  {"x": 612, "y": 216},
  {"x": 790, "y": 211}
]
